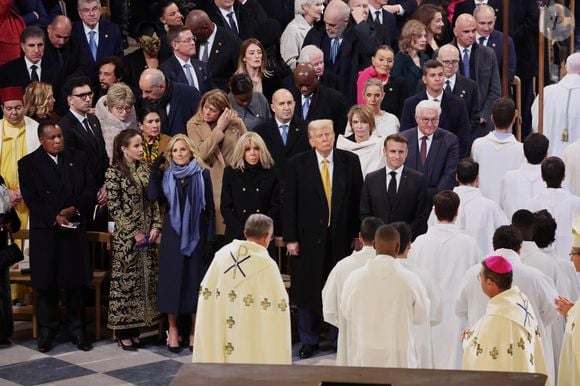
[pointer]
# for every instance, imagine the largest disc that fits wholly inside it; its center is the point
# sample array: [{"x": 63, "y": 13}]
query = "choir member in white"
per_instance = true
[
  {"x": 499, "y": 151},
  {"x": 520, "y": 185},
  {"x": 423, "y": 335},
  {"x": 381, "y": 302},
  {"x": 571, "y": 158},
  {"x": 559, "y": 202},
  {"x": 507, "y": 337},
  {"x": 561, "y": 113},
  {"x": 243, "y": 314},
  {"x": 471, "y": 302},
  {"x": 447, "y": 254},
  {"x": 333, "y": 288},
  {"x": 478, "y": 216}
]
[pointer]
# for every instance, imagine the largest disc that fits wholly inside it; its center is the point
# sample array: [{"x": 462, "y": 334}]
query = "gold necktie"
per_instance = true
[{"x": 326, "y": 184}]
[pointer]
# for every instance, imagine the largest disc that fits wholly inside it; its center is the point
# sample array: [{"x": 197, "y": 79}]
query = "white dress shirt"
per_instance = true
[
  {"x": 330, "y": 165},
  {"x": 429, "y": 140},
  {"x": 399, "y": 172},
  {"x": 30, "y": 64}
]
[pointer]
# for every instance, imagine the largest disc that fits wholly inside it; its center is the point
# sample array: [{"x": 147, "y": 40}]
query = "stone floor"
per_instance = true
[{"x": 106, "y": 364}]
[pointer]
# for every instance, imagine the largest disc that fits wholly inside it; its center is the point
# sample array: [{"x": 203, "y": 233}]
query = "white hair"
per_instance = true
[
  {"x": 427, "y": 105},
  {"x": 307, "y": 51},
  {"x": 573, "y": 64}
]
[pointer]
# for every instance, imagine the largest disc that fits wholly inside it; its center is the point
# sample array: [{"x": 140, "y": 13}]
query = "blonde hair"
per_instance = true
[
  {"x": 119, "y": 93},
  {"x": 373, "y": 82},
  {"x": 237, "y": 159},
  {"x": 365, "y": 114},
  {"x": 36, "y": 99},
  {"x": 188, "y": 143},
  {"x": 318, "y": 124},
  {"x": 215, "y": 97},
  {"x": 242, "y": 65},
  {"x": 411, "y": 31}
]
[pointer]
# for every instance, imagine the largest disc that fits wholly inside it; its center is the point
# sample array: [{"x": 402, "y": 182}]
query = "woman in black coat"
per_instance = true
[{"x": 250, "y": 185}]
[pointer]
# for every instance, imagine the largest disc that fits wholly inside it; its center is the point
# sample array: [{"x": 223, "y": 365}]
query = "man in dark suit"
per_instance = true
[
  {"x": 453, "y": 117},
  {"x": 110, "y": 72},
  {"x": 460, "y": 86},
  {"x": 479, "y": 64},
  {"x": 61, "y": 49},
  {"x": 82, "y": 132},
  {"x": 384, "y": 32},
  {"x": 241, "y": 19},
  {"x": 396, "y": 193},
  {"x": 284, "y": 135},
  {"x": 32, "y": 66},
  {"x": 97, "y": 38},
  {"x": 58, "y": 189},
  {"x": 488, "y": 36},
  {"x": 320, "y": 219},
  {"x": 347, "y": 44},
  {"x": 468, "y": 6},
  {"x": 217, "y": 47},
  {"x": 316, "y": 101},
  {"x": 393, "y": 16},
  {"x": 182, "y": 101},
  {"x": 182, "y": 67},
  {"x": 432, "y": 151}
]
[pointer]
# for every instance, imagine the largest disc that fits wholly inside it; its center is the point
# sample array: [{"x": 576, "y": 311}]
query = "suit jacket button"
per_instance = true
[
  {"x": 257, "y": 189},
  {"x": 257, "y": 210},
  {"x": 243, "y": 189},
  {"x": 243, "y": 211}
]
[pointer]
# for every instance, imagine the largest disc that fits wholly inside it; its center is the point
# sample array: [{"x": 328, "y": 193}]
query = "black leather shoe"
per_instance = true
[
  {"x": 44, "y": 344},
  {"x": 127, "y": 347},
  {"x": 307, "y": 350},
  {"x": 82, "y": 343}
]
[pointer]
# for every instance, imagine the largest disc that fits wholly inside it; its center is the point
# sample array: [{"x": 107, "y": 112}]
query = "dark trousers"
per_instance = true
[{"x": 47, "y": 311}]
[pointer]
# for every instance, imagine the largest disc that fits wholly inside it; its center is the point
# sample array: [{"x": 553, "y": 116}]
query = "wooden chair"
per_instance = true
[{"x": 99, "y": 244}]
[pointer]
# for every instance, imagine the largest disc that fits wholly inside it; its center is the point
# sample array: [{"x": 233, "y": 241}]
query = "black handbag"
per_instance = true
[{"x": 10, "y": 255}]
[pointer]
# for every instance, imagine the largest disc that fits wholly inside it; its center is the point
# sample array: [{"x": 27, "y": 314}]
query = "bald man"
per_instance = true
[
  {"x": 561, "y": 118},
  {"x": 284, "y": 135},
  {"x": 380, "y": 303},
  {"x": 175, "y": 102},
  {"x": 479, "y": 64},
  {"x": 216, "y": 45},
  {"x": 315, "y": 101},
  {"x": 61, "y": 49}
]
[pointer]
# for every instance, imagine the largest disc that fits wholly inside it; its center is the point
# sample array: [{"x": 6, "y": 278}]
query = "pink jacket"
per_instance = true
[{"x": 363, "y": 76}]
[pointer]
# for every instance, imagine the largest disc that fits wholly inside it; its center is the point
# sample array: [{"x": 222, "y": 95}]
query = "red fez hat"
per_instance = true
[
  {"x": 498, "y": 264},
  {"x": 11, "y": 94}
]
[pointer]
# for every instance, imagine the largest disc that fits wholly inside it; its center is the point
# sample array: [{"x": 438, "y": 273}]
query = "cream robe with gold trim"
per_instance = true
[
  {"x": 243, "y": 313},
  {"x": 507, "y": 338},
  {"x": 569, "y": 371}
]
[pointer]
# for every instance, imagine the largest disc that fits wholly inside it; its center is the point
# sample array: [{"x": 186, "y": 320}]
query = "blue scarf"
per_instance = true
[{"x": 186, "y": 224}]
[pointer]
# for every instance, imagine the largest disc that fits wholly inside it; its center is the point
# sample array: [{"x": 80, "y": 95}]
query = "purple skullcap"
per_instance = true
[{"x": 498, "y": 264}]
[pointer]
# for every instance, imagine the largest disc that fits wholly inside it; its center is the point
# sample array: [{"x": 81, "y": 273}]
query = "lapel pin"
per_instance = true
[
  {"x": 493, "y": 44},
  {"x": 71, "y": 164},
  {"x": 390, "y": 89},
  {"x": 217, "y": 51},
  {"x": 106, "y": 36}
]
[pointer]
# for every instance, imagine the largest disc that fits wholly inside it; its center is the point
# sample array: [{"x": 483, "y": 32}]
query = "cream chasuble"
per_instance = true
[{"x": 569, "y": 370}]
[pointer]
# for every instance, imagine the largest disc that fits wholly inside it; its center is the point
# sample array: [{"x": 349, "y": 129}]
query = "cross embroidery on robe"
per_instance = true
[
  {"x": 527, "y": 314},
  {"x": 229, "y": 348},
  {"x": 206, "y": 293},
  {"x": 230, "y": 322},
  {"x": 283, "y": 305},
  {"x": 265, "y": 304},
  {"x": 494, "y": 353},
  {"x": 248, "y": 300},
  {"x": 241, "y": 253},
  {"x": 232, "y": 295}
]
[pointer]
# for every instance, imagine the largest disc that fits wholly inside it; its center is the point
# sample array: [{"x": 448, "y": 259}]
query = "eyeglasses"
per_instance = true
[
  {"x": 126, "y": 109},
  {"x": 430, "y": 120},
  {"x": 84, "y": 95},
  {"x": 450, "y": 63},
  {"x": 187, "y": 41}
]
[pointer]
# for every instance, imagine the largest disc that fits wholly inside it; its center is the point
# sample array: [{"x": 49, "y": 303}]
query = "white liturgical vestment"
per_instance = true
[
  {"x": 507, "y": 337},
  {"x": 446, "y": 253},
  {"x": 381, "y": 302},
  {"x": 569, "y": 370},
  {"x": 571, "y": 158},
  {"x": 331, "y": 296},
  {"x": 520, "y": 185},
  {"x": 472, "y": 302},
  {"x": 243, "y": 314},
  {"x": 562, "y": 205},
  {"x": 559, "y": 114},
  {"x": 495, "y": 157}
]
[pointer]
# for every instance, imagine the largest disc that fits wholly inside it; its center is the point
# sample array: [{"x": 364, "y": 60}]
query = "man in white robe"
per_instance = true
[
  {"x": 478, "y": 216},
  {"x": 243, "y": 314},
  {"x": 446, "y": 253},
  {"x": 559, "y": 202},
  {"x": 561, "y": 113},
  {"x": 507, "y": 337},
  {"x": 335, "y": 281},
  {"x": 380, "y": 302},
  {"x": 472, "y": 303},
  {"x": 520, "y": 185},
  {"x": 571, "y": 158},
  {"x": 499, "y": 151},
  {"x": 422, "y": 332}
]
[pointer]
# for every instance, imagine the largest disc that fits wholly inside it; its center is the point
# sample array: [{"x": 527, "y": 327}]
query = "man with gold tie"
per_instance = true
[{"x": 320, "y": 221}]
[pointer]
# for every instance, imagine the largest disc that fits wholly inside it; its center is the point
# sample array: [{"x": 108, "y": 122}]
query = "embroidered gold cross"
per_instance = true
[
  {"x": 532, "y": 359},
  {"x": 522, "y": 344},
  {"x": 248, "y": 300},
  {"x": 206, "y": 293},
  {"x": 265, "y": 304},
  {"x": 283, "y": 305},
  {"x": 475, "y": 341},
  {"x": 538, "y": 332},
  {"x": 232, "y": 295},
  {"x": 529, "y": 337},
  {"x": 479, "y": 350},
  {"x": 494, "y": 353},
  {"x": 230, "y": 322},
  {"x": 511, "y": 350},
  {"x": 229, "y": 348}
]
